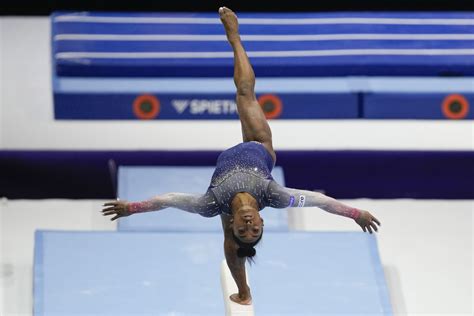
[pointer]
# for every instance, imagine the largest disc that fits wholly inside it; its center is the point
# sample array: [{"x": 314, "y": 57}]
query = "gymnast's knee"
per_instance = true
[{"x": 245, "y": 89}]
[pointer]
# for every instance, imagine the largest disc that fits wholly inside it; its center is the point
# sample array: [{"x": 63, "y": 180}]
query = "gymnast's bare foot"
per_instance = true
[{"x": 231, "y": 25}]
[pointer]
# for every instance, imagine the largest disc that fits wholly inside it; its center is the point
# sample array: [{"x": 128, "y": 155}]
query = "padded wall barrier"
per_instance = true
[{"x": 341, "y": 174}]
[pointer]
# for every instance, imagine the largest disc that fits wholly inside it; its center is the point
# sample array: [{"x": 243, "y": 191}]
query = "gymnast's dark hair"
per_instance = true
[{"x": 246, "y": 249}]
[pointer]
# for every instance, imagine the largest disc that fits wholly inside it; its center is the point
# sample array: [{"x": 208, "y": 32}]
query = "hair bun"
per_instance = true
[{"x": 246, "y": 252}]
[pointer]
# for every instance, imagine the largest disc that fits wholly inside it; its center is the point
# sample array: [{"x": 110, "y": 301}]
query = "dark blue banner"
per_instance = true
[
  {"x": 202, "y": 106},
  {"x": 418, "y": 106}
]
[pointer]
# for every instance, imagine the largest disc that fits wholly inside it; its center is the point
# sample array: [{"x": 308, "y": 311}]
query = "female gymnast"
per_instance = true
[{"x": 242, "y": 184}]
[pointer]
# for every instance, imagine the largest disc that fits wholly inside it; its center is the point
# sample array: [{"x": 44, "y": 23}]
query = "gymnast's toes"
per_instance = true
[{"x": 225, "y": 12}]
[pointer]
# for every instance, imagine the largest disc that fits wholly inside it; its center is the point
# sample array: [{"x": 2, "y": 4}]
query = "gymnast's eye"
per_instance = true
[
  {"x": 256, "y": 230},
  {"x": 241, "y": 230}
]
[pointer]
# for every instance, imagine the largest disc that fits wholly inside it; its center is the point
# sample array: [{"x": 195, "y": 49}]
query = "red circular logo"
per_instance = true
[
  {"x": 455, "y": 107},
  {"x": 271, "y": 105},
  {"x": 146, "y": 107}
]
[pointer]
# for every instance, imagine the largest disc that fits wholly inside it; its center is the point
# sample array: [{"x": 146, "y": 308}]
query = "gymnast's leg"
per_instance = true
[{"x": 254, "y": 124}]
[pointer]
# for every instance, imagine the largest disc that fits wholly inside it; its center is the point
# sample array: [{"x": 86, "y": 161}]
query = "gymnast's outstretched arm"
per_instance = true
[
  {"x": 193, "y": 203},
  {"x": 282, "y": 197},
  {"x": 236, "y": 265}
]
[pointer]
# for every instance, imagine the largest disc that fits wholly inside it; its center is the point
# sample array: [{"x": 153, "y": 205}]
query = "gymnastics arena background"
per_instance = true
[{"x": 392, "y": 134}]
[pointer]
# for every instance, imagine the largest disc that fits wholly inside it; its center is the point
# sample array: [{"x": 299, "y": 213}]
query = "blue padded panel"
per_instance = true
[
  {"x": 109, "y": 273},
  {"x": 409, "y": 106},
  {"x": 324, "y": 273},
  {"x": 141, "y": 183},
  {"x": 80, "y": 48},
  {"x": 199, "y": 106},
  {"x": 105, "y": 273}
]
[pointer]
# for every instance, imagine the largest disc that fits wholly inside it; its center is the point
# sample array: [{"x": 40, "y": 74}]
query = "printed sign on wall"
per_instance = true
[{"x": 201, "y": 106}]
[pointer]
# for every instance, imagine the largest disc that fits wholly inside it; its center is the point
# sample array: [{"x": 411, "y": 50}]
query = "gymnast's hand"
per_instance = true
[
  {"x": 117, "y": 208},
  {"x": 367, "y": 221},
  {"x": 241, "y": 299}
]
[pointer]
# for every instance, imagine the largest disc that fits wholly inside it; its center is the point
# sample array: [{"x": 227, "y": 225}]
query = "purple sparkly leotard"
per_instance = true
[{"x": 245, "y": 167}]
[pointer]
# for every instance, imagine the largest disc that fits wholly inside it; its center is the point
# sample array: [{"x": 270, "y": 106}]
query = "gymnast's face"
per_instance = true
[{"x": 247, "y": 224}]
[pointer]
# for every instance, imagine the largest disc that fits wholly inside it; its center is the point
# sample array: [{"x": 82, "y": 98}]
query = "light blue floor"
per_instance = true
[
  {"x": 141, "y": 183},
  {"x": 94, "y": 273}
]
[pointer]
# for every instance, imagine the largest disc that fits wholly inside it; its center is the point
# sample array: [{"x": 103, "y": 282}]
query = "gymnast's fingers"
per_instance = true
[
  {"x": 110, "y": 209},
  {"x": 109, "y": 213},
  {"x": 376, "y": 220},
  {"x": 235, "y": 298},
  {"x": 114, "y": 218},
  {"x": 374, "y": 226},
  {"x": 114, "y": 203},
  {"x": 363, "y": 228},
  {"x": 370, "y": 229}
]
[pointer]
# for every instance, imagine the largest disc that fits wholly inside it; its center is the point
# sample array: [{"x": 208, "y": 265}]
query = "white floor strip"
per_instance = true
[
  {"x": 289, "y": 53},
  {"x": 260, "y": 38},
  {"x": 262, "y": 21},
  {"x": 4, "y": 271},
  {"x": 228, "y": 288}
]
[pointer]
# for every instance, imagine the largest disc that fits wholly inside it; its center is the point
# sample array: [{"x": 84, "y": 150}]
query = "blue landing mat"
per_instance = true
[
  {"x": 141, "y": 183},
  {"x": 107, "y": 273},
  {"x": 97, "y": 273},
  {"x": 323, "y": 273}
]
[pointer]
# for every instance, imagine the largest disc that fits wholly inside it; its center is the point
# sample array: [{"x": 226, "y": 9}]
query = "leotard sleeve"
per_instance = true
[
  {"x": 282, "y": 197},
  {"x": 204, "y": 204}
]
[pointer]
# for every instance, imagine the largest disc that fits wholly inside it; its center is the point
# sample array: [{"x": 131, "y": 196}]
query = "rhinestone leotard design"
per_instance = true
[{"x": 245, "y": 167}]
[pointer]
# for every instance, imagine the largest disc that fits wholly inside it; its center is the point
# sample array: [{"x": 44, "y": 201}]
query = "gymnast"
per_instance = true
[{"x": 242, "y": 184}]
